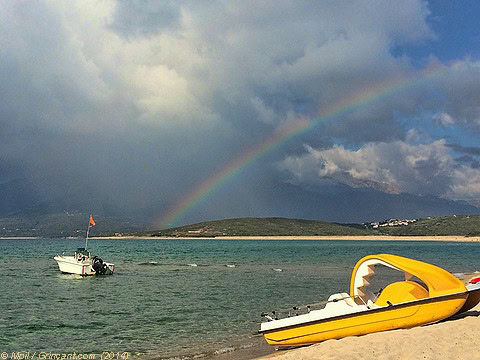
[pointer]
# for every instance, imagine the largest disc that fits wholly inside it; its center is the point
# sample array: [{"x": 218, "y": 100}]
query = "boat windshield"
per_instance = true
[
  {"x": 381, "y": 277},
  {"x": 82, "y": 251},
  {"x": 435, "y": 280}
]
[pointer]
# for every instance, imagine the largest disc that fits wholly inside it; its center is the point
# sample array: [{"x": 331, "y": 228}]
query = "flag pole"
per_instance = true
[
  {"x": 88, "y": 230},
  {"x": 91, "y": 223}
]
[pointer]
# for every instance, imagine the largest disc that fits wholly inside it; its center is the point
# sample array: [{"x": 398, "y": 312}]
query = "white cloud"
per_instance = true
[
  {"x": 161, "y": 93},
  {"x": 467, "y": 184},
  {"x": 443, "y": 119},
  {"x": 418, "y": 169}
]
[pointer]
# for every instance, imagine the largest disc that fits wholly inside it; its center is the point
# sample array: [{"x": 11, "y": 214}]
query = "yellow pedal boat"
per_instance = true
[{"x": 425, "y": 294}]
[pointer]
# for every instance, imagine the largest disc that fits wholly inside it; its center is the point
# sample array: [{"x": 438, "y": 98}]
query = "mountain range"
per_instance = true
[{"x": 333, "y": 202}]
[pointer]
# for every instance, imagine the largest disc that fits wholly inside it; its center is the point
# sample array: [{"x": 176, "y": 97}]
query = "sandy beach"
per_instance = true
[
  {"x": 456, "y": 338},
  {"x": 361, "y": 238},
  {"x": 373, "y": 237},
  {"x": 364, "y": 238}
]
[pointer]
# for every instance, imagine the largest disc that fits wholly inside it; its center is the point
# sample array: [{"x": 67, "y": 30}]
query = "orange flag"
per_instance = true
[{"x": 92, "y": 222}]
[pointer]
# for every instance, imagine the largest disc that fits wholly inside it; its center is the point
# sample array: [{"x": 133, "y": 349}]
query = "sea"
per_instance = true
[{"x": 177, "y": 299}]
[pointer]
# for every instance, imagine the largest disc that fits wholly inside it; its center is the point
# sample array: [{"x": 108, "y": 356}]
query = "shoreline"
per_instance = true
[
  {"x": 455, "y": 238},
  {"x": 445, "y": 238}
]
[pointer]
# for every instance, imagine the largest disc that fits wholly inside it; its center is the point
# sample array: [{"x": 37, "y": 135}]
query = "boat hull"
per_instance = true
[
  {"x": 68, "y": 265},
  {"x": 472, "y": 300},
  {"x": 400, "y": 316}
]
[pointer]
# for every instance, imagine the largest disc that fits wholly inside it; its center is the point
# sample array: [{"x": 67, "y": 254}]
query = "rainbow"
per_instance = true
[{"x": 283, "y": 134}]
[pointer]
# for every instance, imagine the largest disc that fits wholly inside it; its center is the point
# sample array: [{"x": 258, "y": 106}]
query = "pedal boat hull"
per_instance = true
[
  {"x": 401, "y": 316},
  {"x": 428, "y": 294}
]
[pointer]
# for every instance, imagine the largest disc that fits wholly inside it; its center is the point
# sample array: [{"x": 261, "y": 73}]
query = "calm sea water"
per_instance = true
[{"x": 160, "y": 305}]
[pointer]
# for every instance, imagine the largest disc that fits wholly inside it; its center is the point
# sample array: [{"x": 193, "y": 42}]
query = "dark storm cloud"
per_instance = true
[
  {"x": 471, "y": 150},
  {"x": 145, "y": 17},
  {"x": 128, "y": 105},
  {"x": 470, "y": 160},
  {"x": 462, "y": 90}
]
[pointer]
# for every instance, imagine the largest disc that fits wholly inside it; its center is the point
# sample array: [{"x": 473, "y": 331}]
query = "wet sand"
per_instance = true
[{"x": 258, "y": 350}]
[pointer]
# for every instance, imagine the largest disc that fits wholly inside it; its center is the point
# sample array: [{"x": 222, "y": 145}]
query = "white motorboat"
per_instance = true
[{"x": 82, "y": 263}]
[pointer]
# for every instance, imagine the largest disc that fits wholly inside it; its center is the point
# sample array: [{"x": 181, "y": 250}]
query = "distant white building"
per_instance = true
[{"x": 392, "y": 222}]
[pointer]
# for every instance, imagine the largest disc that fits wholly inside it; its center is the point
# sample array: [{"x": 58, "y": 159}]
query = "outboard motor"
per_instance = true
[{"x": 99, "y": 266}]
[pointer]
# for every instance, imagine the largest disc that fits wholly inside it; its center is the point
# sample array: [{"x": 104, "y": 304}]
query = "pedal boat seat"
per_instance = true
[
  {"x": 342, "y": 303},
  {"x": 400, "y": 292}
]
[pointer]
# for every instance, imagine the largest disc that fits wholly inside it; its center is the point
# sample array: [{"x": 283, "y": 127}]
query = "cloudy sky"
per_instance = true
[{"x": 152, "y": 107}]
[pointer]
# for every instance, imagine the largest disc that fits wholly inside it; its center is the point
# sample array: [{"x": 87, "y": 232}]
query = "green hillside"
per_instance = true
[
  {"x": 74, "y": 224},
  {"x": 466, "y": 225},
  {"x": 262, "y": 227},
  {"x": 62, "y": 225},
  {"x": 431, "y": 226}
]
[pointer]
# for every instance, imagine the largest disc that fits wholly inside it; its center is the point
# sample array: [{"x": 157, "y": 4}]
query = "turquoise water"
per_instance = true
[{"x": 158, "y": 306}]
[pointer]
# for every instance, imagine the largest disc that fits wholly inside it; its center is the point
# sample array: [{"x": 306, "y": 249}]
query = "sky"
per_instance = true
[{"x": 178, "y": 111}]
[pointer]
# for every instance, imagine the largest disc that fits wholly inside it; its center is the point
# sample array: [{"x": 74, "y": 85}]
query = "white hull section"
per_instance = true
[
  {"x": 337, "y": 305},
  {"x": 71, "y": 265}
]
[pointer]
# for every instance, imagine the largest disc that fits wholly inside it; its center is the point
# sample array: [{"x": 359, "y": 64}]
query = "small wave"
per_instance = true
[
  {"x": 150, "y": 263},
  {"x": 187, "y": 357},
  {"x": 224, "y": 350},
  {"x": 193, "y": 265},
  {"x": 71, "y": 276},
  {"x": 199, "y": 356},
  {"x": 230, "y": 265},
  {"x": 43, "y": 327}
]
